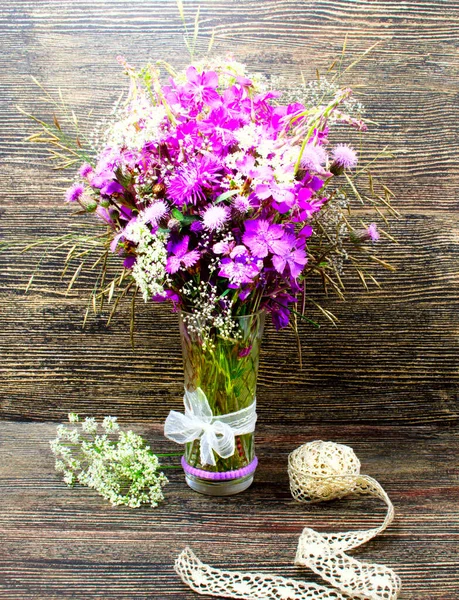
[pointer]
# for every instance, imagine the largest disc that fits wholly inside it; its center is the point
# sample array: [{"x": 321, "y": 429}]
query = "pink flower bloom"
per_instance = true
[
  {"x": 282, "y": 195},
  {"x": 344, "y": 156},
  {"x": 239, "y": 271},
  {"x": 104, "y": 214},
  {"x": 202, "y": 86},
  {"x": 263, "y": 237},
  {"x": 373, "y": 233},
  {"x": 223, "y": 247},
  {"x": 242, "y": 204},
  {"x": 181, "y": 256},
  {"x": 295, "y": 258},
  {"x": 215, "y": 217}
]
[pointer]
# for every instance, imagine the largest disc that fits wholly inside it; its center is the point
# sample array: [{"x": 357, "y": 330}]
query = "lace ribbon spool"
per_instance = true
[{"x": 318, "y": 471}]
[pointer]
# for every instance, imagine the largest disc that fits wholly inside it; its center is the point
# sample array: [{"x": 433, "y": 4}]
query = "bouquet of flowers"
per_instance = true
[
  {"x": 221, "y": 196},
  {"x": 212, "y": 188}
]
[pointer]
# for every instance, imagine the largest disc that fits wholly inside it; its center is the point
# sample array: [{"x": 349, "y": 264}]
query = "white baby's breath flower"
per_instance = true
[{"x": 73, "y": 418}]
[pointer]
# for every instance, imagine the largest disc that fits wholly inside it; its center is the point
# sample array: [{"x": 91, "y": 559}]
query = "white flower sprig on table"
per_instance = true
[{"x": 123, "y": 470}]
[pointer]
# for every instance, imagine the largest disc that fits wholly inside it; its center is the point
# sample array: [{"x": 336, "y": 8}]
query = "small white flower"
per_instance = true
[
  {"x": 110, "y": 425},
  {"x": 89, "y": 425}
]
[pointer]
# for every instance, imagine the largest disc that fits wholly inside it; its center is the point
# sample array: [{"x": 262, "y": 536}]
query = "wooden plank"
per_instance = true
[{"x": 69, "y": 543}]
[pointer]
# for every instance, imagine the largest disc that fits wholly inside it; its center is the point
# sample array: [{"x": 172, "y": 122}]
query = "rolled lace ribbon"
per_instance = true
[
  {"x": 318, "y": 471},
  {"x": 216, "y": 433}
]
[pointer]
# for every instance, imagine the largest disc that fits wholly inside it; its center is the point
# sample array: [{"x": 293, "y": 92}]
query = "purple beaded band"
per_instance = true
[{"x": 248, "y": 470}]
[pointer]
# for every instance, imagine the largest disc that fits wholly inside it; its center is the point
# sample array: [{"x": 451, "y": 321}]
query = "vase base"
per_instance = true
[{"x": 218, "y": 488}]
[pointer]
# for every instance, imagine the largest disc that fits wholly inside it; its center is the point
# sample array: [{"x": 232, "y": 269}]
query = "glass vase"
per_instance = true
[{"x": 225, "y": 368}]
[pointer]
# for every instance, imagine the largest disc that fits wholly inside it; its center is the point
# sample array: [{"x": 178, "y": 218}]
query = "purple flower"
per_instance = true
[
  {"x": 224, "y": 248},
  {"x": 241, "y": 270},
  {"x": 344, "y": 156},
  {"x": 104, "y": 214},
  {"x": 307, "y": 206},
  {"x": 306, "y": 231},
  {"x": 86, "y": 170},
  {"x": 168, "y": 295},
  {"x": 129, "y": 261},
  {"x": 372, "y": 232},
  {"x": 263, "y": 237},
  {"x": 190, "y": 180},
  {"x": 202, "y": 86},
  {"x": 293, "y": 257},
  {"x": 110, "y": 188},
  {"x": 244, "y": 352},
  {"x": 74, "y": 193},
  {"x": 283, "y": 196},
  {"x": 242, "y": 204},
  {"x": 280, "y": 312},
  {"x": 215, "y": 217},
  {"x": 181, "y": 256}
]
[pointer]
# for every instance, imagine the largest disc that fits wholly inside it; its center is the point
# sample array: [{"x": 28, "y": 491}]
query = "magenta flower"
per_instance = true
[
  {"x": 283, "y": 196},
  {"x": 181, "y": 257},
  {"x": 224, "y": 248},
  {"x": 372, "y": 232},
  {"x": 86, "y": 170},
  {"x": 191, "y": 179},
  {"x": 104, "y": 214},
  {"x": 279, "y": 310},
  {"x": 74, "y": 193},
  {"x": 344, "y": 156},
  {"x": 215, "y": 217},
  {"x": 239, "y": 271},
  {"x": 294, "y": 258},
  {"x": 203, "y": 86},
  {"x": 242, "y": 204},
  {"x": 263, "y": 237},
  {"x": 110, "y": 188}
]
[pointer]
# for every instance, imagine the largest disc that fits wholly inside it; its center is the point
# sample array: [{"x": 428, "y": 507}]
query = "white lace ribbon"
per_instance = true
[
  {"x": 318, "y": 471},
  {"x": 216, "y": 433}
]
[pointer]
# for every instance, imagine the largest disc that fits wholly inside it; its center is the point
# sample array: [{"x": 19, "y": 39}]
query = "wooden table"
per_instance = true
[
  {"x": 384, "y": 381},
  {"x": 59, "y": 542}
]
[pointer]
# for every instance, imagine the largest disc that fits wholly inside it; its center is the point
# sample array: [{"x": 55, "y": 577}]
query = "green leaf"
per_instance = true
[
  {"x": 188, "y": 219},
  {"x": 177, "y": 214},
  {"x": 226, "y": 195}
]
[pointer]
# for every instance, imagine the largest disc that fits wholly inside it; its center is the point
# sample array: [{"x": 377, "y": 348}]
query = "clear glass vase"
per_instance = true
[{"x": 226, "y": 370}]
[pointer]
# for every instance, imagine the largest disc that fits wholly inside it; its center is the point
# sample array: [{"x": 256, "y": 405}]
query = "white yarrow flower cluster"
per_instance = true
[{"x": 124, "y": 471}]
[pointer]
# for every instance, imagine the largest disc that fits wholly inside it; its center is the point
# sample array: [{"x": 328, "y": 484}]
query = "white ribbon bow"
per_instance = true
[{"x": 216, "y": 433}]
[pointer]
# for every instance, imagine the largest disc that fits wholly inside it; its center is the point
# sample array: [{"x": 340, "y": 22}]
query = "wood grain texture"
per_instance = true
[
  {"x": 67, "y": 543},
  {"x": 393, "y": 358}
]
